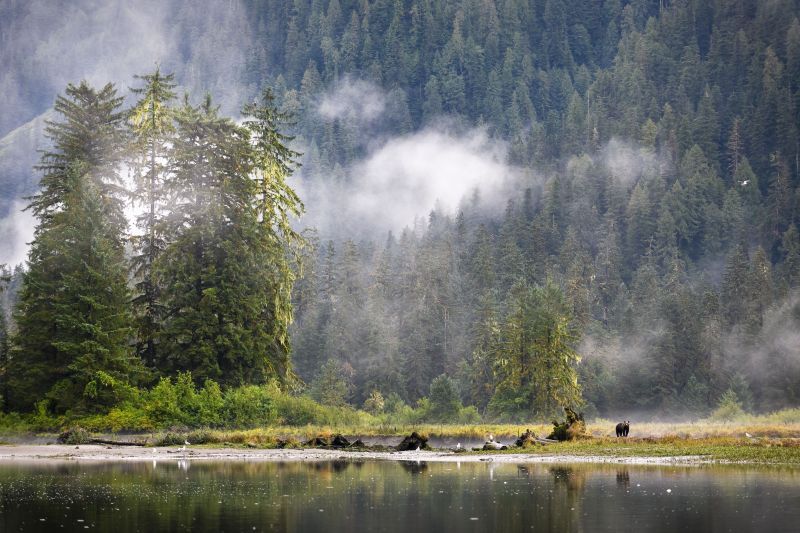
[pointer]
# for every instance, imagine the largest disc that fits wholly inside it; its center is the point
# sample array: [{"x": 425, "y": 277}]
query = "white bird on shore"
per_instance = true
[{"x": 458, "y": 446}]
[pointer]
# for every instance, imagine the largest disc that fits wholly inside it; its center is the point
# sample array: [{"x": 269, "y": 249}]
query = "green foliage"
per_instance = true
[
  {"x": 394, "y": 403},
  {"x": 251, "y": 406},
  {"x": 445, "y": 404},
  {"x": 330, "y": 387},
  {"x": 468, "y": 415},
  {"x": 533, "y": 359},
  {"x": 225, "y": 271},
  {"x": 375, "y": 403},
  {"x": 181, "y": 403},
  {"x": 627, "y": 234},
  {"x": 151, "y": 124},
  {"x": 729, "y": 408},
  {"x": 72, "y": 318}
]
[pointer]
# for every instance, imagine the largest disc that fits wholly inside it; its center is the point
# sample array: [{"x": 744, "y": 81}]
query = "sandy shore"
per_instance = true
[{"x": 85, "y": 452}]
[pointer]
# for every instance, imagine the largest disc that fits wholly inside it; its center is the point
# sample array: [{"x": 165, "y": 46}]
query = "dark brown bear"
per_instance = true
[{"x": 623, "y": 428}]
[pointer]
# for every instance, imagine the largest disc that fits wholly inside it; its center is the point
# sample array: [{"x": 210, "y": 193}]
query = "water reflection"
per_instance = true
[
  {"x": 416, "y": 496},
  {"x": 414, "y": 467},
  {"x": 623, "y": 478}
]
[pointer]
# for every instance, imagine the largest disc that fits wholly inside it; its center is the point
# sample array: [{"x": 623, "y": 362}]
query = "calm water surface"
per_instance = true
[{"x": 411, "y": 497}]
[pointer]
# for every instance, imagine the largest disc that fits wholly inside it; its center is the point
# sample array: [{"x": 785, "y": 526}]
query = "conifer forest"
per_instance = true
[{"x": 458, "y": 210}]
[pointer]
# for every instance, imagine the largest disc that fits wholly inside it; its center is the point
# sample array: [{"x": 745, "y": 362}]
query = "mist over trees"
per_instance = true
[
  {"x": 664, "y": 204},
  {"x": 210, "y": 275},
  {"x": 646, "y": 259}
]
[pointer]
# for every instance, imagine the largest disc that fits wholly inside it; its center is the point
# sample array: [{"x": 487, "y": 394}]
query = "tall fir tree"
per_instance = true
[
  {"x": 226, "y": 276},
  {"x": 71, "y": 346},
  {"x": 5, "y": 343},
  {"x": 276, "y": 206},
  {"x": 151, "y": 120}
]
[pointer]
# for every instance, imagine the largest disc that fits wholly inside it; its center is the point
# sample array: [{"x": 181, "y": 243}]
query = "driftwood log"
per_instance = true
[
  {"x": 529, "y": 439},
  {"x": 526, "y": 440},
  {"x": 338, "y": 441},
  {"x": 415, "y": 441},
  {"x": 78, "y": 435},
  {"x": 117, "y": 442}
]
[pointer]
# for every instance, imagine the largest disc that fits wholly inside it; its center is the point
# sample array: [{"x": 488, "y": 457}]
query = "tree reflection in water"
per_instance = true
[{"x": 402, "y": 496}]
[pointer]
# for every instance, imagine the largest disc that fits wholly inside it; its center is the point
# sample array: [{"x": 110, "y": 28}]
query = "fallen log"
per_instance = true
[
  {"x": 340, "y": 442},
  {"x": 415, "y": 441},
  {"x": 116, "y": 442},
  {"x": 527, "y": 439}
]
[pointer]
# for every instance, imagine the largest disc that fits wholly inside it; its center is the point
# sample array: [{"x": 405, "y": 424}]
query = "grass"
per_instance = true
[{"x": 715, "y": 449}]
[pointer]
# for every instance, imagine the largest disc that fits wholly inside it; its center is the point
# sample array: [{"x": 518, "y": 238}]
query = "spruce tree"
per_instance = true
[
  {"x": 5, "y": 344},
  {"x": 276, "y": 205},
  {"x": 71, "y": 346},
  {"x": 92, "y": 132},
  {"x": 225, "y": 272},
  {"x": 533, "y": 357},
  {"x": 152, "y": 125},
  {"x": 90, "y": 307}
]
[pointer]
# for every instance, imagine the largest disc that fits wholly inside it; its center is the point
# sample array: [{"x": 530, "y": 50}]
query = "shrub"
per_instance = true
[
  {"x": 784, "y": 416},
  {"x": 75, "y": 435},
  {"x": 161, "y": 403},
  {"x": 170, "y": 439},
  {"x": 394, "y": 403},
  {"x": 209, "y": 404},
  {"x": 250, "y": 406},
  {"x": 444, "y": 401},
  {"x": 729, "y": 408},
  {"x": 469, "y": 415},
  {"x": 375, "y": 403},
  {"x": 41, "y": 418},
  {"x": 104, "y": 390},
  {"x": 123, "y": 418}
]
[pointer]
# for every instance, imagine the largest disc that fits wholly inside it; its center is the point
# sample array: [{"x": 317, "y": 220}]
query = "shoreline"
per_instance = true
[{"x": 11, "y": 454}]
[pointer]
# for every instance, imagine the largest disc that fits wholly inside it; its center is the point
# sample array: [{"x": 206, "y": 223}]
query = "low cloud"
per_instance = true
[
  {"x": 628, "y": 162},
  {"x": 355, "y": 101},
  {"x": 406, "y": 177},
  {"x": 774, "y": 351},
  {"x": 16, "y": 231}
]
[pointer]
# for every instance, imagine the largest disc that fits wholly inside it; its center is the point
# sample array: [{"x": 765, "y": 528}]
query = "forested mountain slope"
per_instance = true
[{"x": 664, "y": 202}]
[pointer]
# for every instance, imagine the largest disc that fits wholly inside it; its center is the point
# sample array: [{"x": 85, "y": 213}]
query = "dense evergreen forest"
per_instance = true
[
  {"x": 647, "y": 259},
  {"x": 665, "y": 136}
]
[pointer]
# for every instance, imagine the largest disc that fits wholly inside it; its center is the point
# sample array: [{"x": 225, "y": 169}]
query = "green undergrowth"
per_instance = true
[{"x": 179, "y": 403}]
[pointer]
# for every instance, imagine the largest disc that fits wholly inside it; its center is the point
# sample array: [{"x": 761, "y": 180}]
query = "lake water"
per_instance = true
[{"x": 409, "y": 497}]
